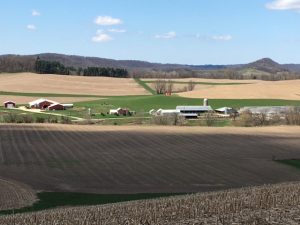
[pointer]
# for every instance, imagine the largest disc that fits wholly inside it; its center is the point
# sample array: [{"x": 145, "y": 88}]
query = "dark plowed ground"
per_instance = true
[{"x": 134, "y": 159}]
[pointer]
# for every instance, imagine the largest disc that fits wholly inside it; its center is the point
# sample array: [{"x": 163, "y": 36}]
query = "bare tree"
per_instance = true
[
  {"x": 191, "y": 85},
  {"x": 160, "y": 86},
  {"x": 169, "y": 86}
]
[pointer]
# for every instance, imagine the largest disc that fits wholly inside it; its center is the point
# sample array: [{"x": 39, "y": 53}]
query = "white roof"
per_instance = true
[
  {"x": 267, "y": 109},
  {"x": 40, "y": 100},
  {"x": 194, "y": 108},
  {"x": 223, "y": 109},
  {"x": 8, "y": 102}
]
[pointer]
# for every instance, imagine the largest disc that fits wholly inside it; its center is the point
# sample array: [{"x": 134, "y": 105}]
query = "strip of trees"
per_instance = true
[{"x": 52, "y": 67}]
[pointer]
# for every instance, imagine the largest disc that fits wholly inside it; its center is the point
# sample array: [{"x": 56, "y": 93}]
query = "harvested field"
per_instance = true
[
  {"x": 278, "y": 204},
  {"x": 26, "y": 99},
  {"x": 146, "y": 159},
  {"x": 48, "y": 83},
  {"x": 14, "y": 195},
  {"x": 289, "y": 90},
  {"x": 203, "y": 80}
]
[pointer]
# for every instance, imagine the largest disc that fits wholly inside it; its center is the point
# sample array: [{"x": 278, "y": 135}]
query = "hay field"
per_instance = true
[
  {"x": 146, "y": 159},
  {"x": 288, "y": 90},
  {"x": 277, "y": 204},
  {"x": 58, "y": 84},
  {"x": 14, "y": 195},
  {"x": 26, "y": 99}
]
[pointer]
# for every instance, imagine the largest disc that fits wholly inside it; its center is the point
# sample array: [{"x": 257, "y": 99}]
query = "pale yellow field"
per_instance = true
[
  {"x": 27, "y": 99},
  {"x": 258, "y": 90},
  {"x": 42, "y": 83},
  {"x": 208, "y": 80}
]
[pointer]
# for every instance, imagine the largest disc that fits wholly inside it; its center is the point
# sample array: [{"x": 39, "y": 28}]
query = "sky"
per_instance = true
[{"x": 166, "y": 31}]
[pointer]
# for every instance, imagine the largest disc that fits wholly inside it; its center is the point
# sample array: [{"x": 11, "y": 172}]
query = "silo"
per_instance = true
[{"x": 205, "y": 102}]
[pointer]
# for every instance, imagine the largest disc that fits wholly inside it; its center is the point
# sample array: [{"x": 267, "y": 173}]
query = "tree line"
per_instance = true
[{"x": 49, "y": 67}]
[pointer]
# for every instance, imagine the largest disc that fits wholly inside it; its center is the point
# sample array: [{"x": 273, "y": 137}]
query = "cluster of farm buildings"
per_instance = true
[
  {"x": 192, "y": 111},
  {"x": 42, "y": 104}
]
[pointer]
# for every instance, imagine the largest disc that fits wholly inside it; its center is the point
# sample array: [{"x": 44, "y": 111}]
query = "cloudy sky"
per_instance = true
[{"x": 166, "y": 31}]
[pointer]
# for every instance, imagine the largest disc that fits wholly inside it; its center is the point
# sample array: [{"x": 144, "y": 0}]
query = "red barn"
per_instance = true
[
  {"x": 9, "y": 104},
  {"x": 41, "y": 103},
  {"x": 56, "y": 106}
]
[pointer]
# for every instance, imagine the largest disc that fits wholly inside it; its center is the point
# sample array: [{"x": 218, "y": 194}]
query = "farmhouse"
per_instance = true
[
  {"x": 119, "y": 112},
  {"x": 41, "y": 103},
  {"x": 9, "y": 104}
]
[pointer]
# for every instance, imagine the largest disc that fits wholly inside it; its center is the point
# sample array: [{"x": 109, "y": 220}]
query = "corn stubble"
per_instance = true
[{"x": 277, "y": 204}]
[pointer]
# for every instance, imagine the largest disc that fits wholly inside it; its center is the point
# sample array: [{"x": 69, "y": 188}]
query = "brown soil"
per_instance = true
[
  {"x": 14, "y": 195},
  {"x": 146, "y": 159}
]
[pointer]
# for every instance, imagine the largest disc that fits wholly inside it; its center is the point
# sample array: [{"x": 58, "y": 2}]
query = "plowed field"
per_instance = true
[
  {"x": 145, "y": 159},
  {"x": 14, "y": 195}
]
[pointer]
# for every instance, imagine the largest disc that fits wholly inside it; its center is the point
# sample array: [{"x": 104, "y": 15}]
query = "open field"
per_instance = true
[
  {"x": 277, "y": 204},
  {"x": 14, "y": 195},
  {"x": 42, "y": 83},
  {"x": 259, "y": 90},
  {"x": 26, "y": 99},
  {"x": 146, "y": 159},
  {"x": 237, "y": 89}
]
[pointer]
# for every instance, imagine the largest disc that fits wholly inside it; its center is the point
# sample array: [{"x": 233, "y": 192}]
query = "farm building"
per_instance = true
[
  {"x": 120, "y": 112},
  {"x": 194, "y": 109},
  {"x": 165, "y": 112},
  {"x": 268, "y": 110},
  {"x": 225, "y": 110},
  {"x": 41, "y": 103},
  {"x": 9, "y": 104},
  {"x": 56, "y": 106}
]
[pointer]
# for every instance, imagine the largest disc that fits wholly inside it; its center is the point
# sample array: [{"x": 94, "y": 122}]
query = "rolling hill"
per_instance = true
[{"x": 265, "y": 68}]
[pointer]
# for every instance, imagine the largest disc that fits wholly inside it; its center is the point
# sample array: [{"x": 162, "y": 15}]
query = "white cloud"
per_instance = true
[
  {"x": 31, "y": 27},
  {"x": 117, "y": 30},
  {"x": 169, "y": 35},
  {"x": 101, "y": 37},
  {"x": 107, "y": 21},
  {"x": 35, "y": 13},
  {"x": 222, "y": 37},
  {"x": 284, "y": 5}
]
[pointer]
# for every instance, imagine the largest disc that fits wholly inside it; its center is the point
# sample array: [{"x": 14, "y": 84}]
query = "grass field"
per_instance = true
[
  {"x": 50, "y": 200},
  {"x": 132, "y": 159},
  {"x": 142, "y": 104}
]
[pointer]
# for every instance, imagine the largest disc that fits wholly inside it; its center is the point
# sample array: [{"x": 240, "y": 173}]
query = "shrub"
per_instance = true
[
  {"x": 172, "y": 119},
  {"x": 65, "y": 120},
  {"x": 293, "y": 116},
  {"x": 39, "y": 119}
]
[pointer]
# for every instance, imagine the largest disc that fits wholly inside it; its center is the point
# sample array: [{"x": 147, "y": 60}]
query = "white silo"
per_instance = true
[{"x": 205, "y": 102}]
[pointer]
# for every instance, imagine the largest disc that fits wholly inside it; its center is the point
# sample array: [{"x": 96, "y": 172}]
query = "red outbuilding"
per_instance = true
[
  {"x": 9, "y": 104},
  {"x": 56, "y": 106}
]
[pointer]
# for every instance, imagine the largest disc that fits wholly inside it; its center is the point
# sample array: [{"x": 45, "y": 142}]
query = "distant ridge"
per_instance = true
[{"x": 265, "y": 68}]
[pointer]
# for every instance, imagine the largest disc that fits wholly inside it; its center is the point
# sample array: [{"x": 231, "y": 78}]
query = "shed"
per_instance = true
[
  {"x": 165, "y": 112},
  {"x": 225, "y": 110},
  {"x": 9, "y": 104},
  {"x": 56, "y": 106}
]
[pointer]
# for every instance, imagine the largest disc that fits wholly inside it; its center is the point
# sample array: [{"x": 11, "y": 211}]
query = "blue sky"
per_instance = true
[{"x": 166, "y": 31}]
